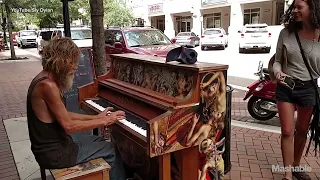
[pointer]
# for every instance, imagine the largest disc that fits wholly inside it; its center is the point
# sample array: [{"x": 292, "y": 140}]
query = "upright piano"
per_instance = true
[{"x": 170, "y": 109}]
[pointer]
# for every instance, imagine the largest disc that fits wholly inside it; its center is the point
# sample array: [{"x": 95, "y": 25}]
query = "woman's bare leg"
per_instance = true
[
  {"x": 286, "y": 115},
  {"x": 302, "y": 127}
]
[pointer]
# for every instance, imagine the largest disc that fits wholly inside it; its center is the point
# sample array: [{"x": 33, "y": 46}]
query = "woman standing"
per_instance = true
[{"x": 303, "y": 17}]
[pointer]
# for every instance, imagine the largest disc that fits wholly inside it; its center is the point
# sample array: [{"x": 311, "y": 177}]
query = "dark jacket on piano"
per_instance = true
[{"x": 52, "y": 147}]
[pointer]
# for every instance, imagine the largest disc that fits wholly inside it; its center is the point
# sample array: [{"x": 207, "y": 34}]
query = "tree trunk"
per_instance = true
[
  {"x": 13, "y": 53},
  {"x": 99, "y": 54}
]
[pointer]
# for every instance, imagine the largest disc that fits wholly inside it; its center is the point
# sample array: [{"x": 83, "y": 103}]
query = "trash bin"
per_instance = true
[{"x": 227, "y": 131}]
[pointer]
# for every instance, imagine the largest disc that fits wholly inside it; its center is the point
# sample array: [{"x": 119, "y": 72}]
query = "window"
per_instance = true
[
  {"x": 28, "y": 33},
  {"x": 113, "y": 36},
  {"x": 212, "y": 31},
  {"x": 213, "y": 20},
  {"x": 146, "y": 38},
  {"x": 251, "y": 16},
  {"x": 81, "y": 34},
  {"x": 184, "y": 34}
]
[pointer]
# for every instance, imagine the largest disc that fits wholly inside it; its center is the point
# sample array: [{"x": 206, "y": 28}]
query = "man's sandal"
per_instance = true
[{"x": 301, "y": 175}]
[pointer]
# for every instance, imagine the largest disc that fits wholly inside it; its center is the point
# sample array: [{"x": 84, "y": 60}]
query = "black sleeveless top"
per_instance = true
[{"x": 52, "y": 147}]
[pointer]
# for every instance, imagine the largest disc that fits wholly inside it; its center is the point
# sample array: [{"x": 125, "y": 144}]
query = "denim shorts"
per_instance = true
[{"x": 303, "y": 94}]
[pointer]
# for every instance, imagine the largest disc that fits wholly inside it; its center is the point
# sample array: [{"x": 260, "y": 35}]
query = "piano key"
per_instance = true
[{"x": 131, "y": 121}]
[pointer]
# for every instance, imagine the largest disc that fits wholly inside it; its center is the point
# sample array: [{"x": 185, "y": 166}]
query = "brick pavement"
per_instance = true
[
  {"x": 14, "y": 80},
  {"x": 254, "y": 152}
]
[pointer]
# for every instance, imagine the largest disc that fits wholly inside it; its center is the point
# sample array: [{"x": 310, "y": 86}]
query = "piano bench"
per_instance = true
[{"x": 97, "y": 169}]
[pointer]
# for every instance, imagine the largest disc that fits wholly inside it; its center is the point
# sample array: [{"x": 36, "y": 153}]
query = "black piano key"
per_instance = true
[{"x": 129, "y": 117}]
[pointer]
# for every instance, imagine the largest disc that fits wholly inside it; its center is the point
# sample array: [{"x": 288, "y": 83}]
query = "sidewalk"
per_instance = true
[{"x": 15, "y": 78}]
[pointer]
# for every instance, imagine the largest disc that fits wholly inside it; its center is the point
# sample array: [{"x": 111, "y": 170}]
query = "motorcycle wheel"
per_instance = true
[{"x": 256, "y": 112}]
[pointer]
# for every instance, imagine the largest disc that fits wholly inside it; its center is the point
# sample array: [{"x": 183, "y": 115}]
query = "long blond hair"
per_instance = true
[{"x": 59, "y": 55}]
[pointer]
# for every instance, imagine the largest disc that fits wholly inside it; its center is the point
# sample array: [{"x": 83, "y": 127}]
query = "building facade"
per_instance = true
[{"x": 174, "y": 16}]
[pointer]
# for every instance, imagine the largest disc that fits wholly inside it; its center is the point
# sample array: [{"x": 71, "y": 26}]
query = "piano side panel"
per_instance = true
[
  {"x": 171, "y": 131},
  {"x": 200, "y": 125}
]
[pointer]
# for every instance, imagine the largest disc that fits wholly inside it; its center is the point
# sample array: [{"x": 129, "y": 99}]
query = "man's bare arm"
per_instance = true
[
  {"x": 81, "y": 117},
  {"x": 51, "y": 96}
]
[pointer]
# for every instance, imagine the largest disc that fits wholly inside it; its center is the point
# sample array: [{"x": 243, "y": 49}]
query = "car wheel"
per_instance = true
[{"x": 202, "y": 48}]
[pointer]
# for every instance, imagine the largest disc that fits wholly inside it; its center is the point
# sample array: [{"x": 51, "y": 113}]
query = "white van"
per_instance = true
[{"x": 255, "y": 36}]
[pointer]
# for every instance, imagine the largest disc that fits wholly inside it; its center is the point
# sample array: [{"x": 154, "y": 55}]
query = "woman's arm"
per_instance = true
[{"x": 277, "y": 65}]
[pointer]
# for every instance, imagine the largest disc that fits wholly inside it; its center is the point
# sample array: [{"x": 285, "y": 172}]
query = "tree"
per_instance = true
[
  {"x": 99, "y": 54},
  {"x": 13, "y": 53}
]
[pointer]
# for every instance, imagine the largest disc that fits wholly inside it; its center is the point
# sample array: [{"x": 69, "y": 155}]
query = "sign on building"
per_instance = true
[{"x": 155, "y": 8}]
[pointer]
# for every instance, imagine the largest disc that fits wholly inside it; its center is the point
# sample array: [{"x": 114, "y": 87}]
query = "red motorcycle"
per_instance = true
[{"x": 262, "y": 105}]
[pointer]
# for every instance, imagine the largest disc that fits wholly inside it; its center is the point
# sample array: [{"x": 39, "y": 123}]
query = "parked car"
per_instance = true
[
  {"x": 255, "y": 36},
  {"x": 187, "y": 39},
  {"x": 43, "y": 37},
  {"x": 26, "y": 38},
  {"x": 214, "y": 37},
  {"x": 138, "y": 40},
  {"x": 82, "y": 36}
]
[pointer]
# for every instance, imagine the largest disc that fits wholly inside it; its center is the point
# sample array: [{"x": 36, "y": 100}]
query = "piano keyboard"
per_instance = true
[{"x": 134, "y": 123}]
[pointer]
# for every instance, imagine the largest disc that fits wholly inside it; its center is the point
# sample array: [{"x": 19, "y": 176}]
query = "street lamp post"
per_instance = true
[
  {"x": 66, "y": 20},
  {"x": 3, "y": 24}
]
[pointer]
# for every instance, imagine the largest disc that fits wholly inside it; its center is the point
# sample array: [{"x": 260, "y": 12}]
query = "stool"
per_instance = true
[{"x": 97, "y": 169}]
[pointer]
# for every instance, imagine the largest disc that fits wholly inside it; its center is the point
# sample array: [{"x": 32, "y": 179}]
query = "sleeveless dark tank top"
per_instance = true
[{"x": 52, "y": 147}]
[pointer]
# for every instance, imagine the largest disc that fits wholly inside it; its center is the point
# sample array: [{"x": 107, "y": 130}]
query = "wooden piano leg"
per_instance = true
[
  {"x": 189, "y": 163},
  {"x": 164, "y": 167}
]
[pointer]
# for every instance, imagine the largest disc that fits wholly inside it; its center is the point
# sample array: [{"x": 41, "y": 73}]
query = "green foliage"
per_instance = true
[{"x": 115, "y": 12}]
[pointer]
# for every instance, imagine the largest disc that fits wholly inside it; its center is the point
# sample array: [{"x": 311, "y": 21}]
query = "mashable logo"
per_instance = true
[{"x": 278, "y": 168}]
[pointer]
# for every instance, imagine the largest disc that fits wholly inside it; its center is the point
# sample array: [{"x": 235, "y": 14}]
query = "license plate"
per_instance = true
[
  {"x": 212, "y": 37},
  {"x": 255, "y": 46}
]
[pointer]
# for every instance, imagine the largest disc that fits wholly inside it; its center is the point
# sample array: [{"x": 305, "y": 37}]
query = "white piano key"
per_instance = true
[{"x": 123, "y": 121}]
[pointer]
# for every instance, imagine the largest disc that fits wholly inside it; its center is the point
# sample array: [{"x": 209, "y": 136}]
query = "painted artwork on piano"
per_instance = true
[
  {"x": 172, "y": 82},
  {"x": 188, "y": 127}
]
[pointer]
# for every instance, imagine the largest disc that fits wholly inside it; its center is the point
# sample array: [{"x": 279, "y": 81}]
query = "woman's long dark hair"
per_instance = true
[{"x": 289, "y": 21}]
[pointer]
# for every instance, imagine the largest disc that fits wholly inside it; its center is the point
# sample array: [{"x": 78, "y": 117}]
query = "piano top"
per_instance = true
[{"x": 198, "y": 66}]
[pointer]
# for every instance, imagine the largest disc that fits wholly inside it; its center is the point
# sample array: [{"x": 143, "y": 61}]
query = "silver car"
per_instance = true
[
  {"x": 187, "y": 39},
  {"x": 214, "y": 37}
]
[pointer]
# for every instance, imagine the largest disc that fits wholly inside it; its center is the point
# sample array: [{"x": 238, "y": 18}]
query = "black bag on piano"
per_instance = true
[{"x": 183, "y": 55}]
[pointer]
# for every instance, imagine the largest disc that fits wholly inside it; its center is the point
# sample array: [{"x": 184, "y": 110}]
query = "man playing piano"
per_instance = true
[{"x": 50, "y": 123}]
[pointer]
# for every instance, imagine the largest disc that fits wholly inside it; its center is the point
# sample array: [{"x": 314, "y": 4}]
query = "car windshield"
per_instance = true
[
  {"x": 81, "y": 34},
  {"x": 256, "y": 29},
  {"x": 213, "y": 31},
  {"x": 146, "y": 38},
  {"x": 28, "y": 33},
  {"x": 184, "y": 34}
]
